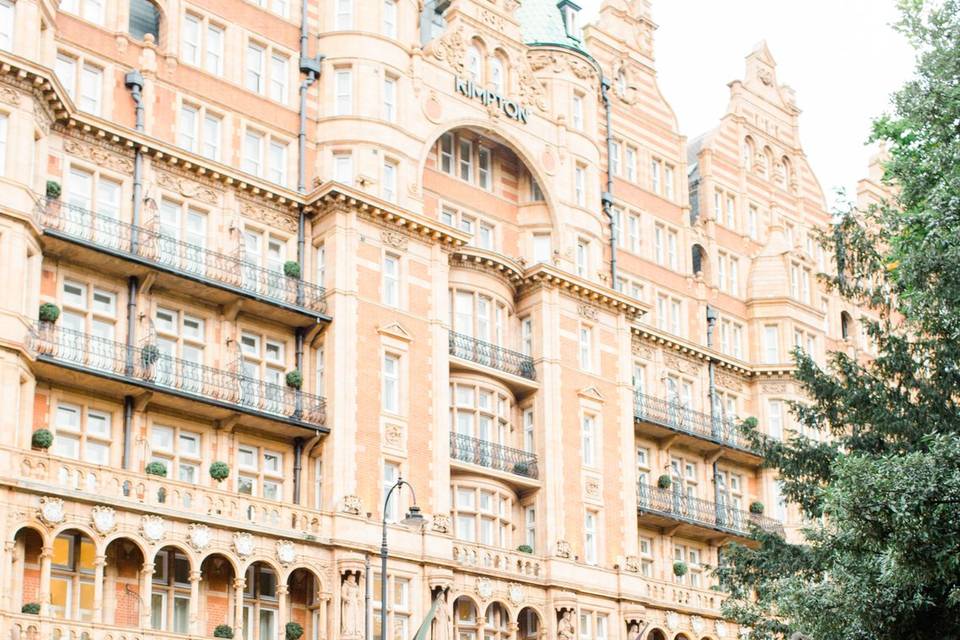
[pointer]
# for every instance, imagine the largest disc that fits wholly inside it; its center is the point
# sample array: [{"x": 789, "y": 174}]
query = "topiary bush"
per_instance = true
[
  {"x": 751, "y": 422},
  {"x": 149, "y": 354},
  {"x": 294, "y": 379},
  {"x": 756, "y": 508},
  {"x": 679, "y": 569},
  {"x": 664, "y": 481},
  {"x": 156, "y": 469},
  {"x": 521, "y": 469},
  {"x": 53, "y": 189},
  {"x": 42, "y": 439},
  {"x": 49, "y": 312},
  {"x": 219, "y": 471},
  {"x": 33, "y": 608},
  {"x": 525, "y": 548},
  {"x": 293, "y": 631},
  {"x": 223, "y": 631},
  {"x": 291, "y": 269}
]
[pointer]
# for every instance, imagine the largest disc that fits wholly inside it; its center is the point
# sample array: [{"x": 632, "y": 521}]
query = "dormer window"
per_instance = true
[{"x": 569, "y": 11}]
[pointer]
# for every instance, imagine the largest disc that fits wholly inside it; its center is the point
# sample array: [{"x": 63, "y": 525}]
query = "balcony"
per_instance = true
[
  {"x": 87, "y": 237},
  {"x": 490, "y": 357},
  {"x": 493, "y": 456},
  {"x": 227, "y": 391},
  {"x": 668, "y": 507},
  {"x": 673, "y": 416}
]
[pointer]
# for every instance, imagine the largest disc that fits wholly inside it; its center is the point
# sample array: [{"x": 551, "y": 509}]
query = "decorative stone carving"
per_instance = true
[
  {"x": 641, "y": 350},
  {"x": 515, "y": 594},
  {"x": 720, "y": 628},
  {"x": 9, "y": 96},
  {"x": 187, "y": 188},
  {"x": 681, "y": 364},
  {"x": 588, "y": 311},
  {"x": 565, "y": 628},
  {"x": 351, "y": 607},
  {"x": 441, "y": 523},
  {"x": 484, "y": 588},
  {"x": 104, "y": 519},
  {"x": 592, "y": 488},
  {"x": 352, "y": 504},
  {"x": 729, "y": 381},
  {"x": 393, "y": 435},
  {"x": 673, "y": 620},
  {"x": 697, "y": 624},
  {"x": 452, "y": 47},
  {"x": 286, "y": 552},
  {"x": 774, "y": 387},
  {"x": 51, "y": 510},
  {"x": 441, "y": 629},
  {"x": 491, "y": 19},
  {"x": 97, "y": 156},
  {"x": 199, "y": 536},
  {"x": 643, "y": 34},
  {"x": 243, "y": 544},
  {"x": 563, "y": 549},
  {"x": 631, "y": 564},
  {"x": 153, "y": 528},
  {"x": 269, "y": 217},
  {"x": 394, "y": 239}
]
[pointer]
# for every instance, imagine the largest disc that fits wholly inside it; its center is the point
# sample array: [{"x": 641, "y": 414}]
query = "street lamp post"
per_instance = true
[{"x": 413, "y": 519}]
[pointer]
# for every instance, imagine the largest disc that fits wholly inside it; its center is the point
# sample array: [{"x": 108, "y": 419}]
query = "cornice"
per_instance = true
[
  {"x": 544, "y": 274},
  {"x": 332, "y": 196},
  {"x": 689, "y": 349},
  {"x": 490, "y": 261}
]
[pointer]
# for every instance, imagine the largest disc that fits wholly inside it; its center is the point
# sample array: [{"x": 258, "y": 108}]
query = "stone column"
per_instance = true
[
  {"x": 514, "y": 628},
  {"x": 194, "y": 625},
  {"x": 6, "y": 574},
  {"x": 99, "y": 563},
  {"x": 284, "y": 617},
  {"x": 239, "y": 584},
  {"x": 46, "y": 555},
  {"x": 146, "y": 594}
]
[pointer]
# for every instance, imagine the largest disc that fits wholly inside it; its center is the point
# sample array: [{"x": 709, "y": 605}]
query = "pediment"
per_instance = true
[{"x": 395, "y": 330}]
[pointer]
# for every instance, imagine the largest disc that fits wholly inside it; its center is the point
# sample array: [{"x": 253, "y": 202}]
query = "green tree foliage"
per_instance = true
[{"x": 880, "y": 555}]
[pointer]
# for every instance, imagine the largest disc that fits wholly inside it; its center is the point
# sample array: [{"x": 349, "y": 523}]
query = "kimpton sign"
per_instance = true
[{"x": 511, "y": 108}]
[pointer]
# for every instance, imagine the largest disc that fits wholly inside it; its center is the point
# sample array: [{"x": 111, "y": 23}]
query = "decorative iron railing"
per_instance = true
[
  {"x": 674, "y": 503},
  {"x": 490, "y": 355},
  {"x": 674, "y": 415},
  {"x": 149, "y": 246},
  {"x": 147, "y": 366},
  {"x": 493, "y": 456}
]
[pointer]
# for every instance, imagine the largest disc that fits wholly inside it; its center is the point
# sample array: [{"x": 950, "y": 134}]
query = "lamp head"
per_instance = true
[{"x": 414, "y": 518}]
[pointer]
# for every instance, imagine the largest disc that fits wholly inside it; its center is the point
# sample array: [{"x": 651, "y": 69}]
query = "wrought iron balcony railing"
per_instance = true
[
  {"x": 674, "y": 415},
  {"x": 493, "y": 456},
  {"x": 147, "y": 246},
  {"x": 673, "y": 503},
  {"x": 147, "y": 367},
  {"x": 490, "y": 355}
]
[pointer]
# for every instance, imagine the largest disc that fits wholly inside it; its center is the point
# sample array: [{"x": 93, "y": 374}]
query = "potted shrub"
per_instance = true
[
  {"x": 679, "y": 569},
  {"x": 53, "y": 189},
  {"x": 756, "y": 508},
  {"x": 750, "y": 422},
  {"x": 223, "y": 631},
  {"x": 149, "y": 354},
  {"x": 49, "y": 312},
  {"x": 521, "y": 469},
  {"x": 294, "y": 379},
  {"x": 42, "y": 439},
  {"x": 33, "y": 608},
  {"x": 664, "y": 481},
  {"x": 293, "y": 631},
  {"x": 219, "y": 471},
  {"x": 156, "y": 469},
  {"x": 525, "y": 548},
  {"x": 291, "y": 269}
]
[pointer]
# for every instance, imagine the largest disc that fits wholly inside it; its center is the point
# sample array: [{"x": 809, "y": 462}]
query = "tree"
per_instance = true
[{"x": 880, "y": 554}]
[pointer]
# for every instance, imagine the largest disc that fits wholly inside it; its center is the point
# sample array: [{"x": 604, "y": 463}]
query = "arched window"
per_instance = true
[
  {"x": 699, "y": 258},
  {"x": 529, "y": 623},
  {"x": 466, "y": 625},
  {"x": 497, "y": 625},
  {"x": 72, "y": 576},
  {"x": 260, "y": 602},
  {"x": 766, "y": 162},
  {"x": 170, "y": 596},
  {"x": 473, "y": 63},
  {"x": 144, "y": 20},
  {"x": 497, "y": 75},
  {"x": 748, "y": 153},
  {"x": 787, "y": 174},
  {"x": 622, "y": 85}
]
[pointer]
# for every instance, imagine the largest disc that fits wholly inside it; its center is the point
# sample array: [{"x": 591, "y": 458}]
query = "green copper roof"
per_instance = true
[{"x": 542, "y": 24}]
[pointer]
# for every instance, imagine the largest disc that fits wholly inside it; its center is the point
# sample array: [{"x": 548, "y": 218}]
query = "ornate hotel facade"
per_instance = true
[{"x": 284, "y": 255}]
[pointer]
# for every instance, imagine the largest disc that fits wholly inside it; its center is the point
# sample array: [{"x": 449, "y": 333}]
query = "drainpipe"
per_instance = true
[
  {"x": 297, "y": 468},
  {"x": 714, "y": 417},
  {"x": 134, "y": 82},
  {"x": 607, "y": 196}
]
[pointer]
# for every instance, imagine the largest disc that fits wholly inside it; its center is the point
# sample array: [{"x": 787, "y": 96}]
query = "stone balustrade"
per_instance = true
[{"x": 492, "y": 559}]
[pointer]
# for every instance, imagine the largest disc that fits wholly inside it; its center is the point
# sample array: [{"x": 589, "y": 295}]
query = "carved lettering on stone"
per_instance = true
[{"x": 98, "y": 156}]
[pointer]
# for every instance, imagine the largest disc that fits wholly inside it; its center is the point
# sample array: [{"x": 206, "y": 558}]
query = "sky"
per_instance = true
[{"x": 840, "y": 56}]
